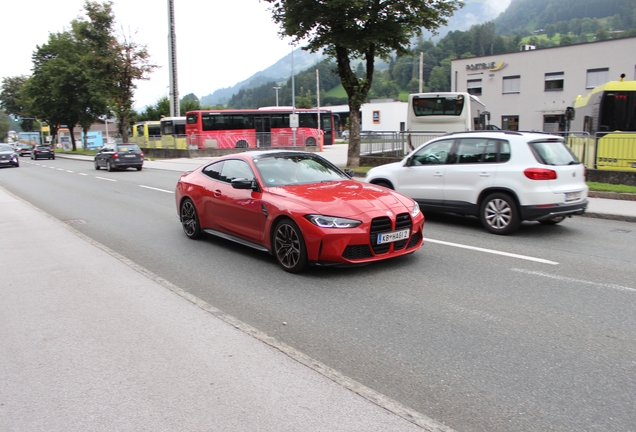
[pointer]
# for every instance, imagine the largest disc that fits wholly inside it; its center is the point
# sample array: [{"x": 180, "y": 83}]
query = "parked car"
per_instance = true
[
  {"x": 300, "y": 208},
  {"x": 42, "y": 152},
  {"x": 119, "y": 156},
  {"x": 24, "y": 149},
  {"x": 502, "y": 177},
  {"x": 8, "y": 156}
]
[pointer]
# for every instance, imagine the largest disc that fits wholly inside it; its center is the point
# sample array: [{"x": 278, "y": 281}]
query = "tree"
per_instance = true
[{"x": 348, "y": 31}]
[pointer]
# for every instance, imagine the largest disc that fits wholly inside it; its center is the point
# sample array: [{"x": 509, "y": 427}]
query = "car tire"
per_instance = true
[
  {"x": 310, "y": 142},
  {"x": 96, "y": 166},
  {"x": 109, "y": 167},
  {"x": 499, "y": 214},
  {"x": 139, "y": 168},
  {"x": 553, "y": 221},
  {"x": 289, "y": 246},
  {"x": 190, "y": 219}
]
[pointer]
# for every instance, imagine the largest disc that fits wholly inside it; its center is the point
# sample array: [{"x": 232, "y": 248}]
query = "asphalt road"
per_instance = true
[{"x": 534, "y": 331}]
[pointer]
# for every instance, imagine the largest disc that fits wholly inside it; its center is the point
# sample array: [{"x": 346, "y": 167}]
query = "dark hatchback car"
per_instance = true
[
  {"x": 8, "y": 156},
  {"x": 42, "y": 152},
  {"x": 24, "y": 149},
  {"x": 119, "y": 156}
]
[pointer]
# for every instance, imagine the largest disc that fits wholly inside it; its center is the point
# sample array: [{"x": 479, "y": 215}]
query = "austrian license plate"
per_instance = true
[
  {"x": 130, "y": 156},
  {"x": 572, "y": 196},
  {"x": 393, "y": 236}
]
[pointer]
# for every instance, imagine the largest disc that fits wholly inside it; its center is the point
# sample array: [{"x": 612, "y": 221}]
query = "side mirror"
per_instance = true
[
  {"x": 242, "y": 183},
  {"x": 349, "y": 172}
]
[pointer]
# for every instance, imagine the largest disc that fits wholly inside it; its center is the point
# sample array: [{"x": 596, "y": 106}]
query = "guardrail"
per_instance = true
[{"x": 394, "y": 144}]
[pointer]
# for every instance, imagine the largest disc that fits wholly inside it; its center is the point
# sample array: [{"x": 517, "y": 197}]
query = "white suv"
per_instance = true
[{"x": 502, "y": 177}]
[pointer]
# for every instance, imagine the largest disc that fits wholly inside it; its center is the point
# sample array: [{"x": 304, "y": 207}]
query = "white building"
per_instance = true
[
  {"x": 377, "y": 115},
  {"x": 531, "y": 89}
]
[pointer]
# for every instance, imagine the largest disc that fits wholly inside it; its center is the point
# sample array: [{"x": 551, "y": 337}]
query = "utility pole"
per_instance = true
[
  {"x": 175, "y": 109},
  {"x": 276, "y": 88}
]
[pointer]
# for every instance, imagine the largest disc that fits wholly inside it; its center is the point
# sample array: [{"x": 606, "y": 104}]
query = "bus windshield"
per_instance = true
[
  {"x": 451, "y": 105},
  {"x": 618, "y": 111}
]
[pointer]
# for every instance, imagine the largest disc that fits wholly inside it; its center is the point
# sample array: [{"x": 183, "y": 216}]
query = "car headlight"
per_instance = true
[
  {"x": 416, "y": 210},
  {"x": 332, "y": 221}
]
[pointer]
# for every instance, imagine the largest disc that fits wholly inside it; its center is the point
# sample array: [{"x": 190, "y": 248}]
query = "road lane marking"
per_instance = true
[
  {"x": 578, "y": 281},
  {"x": 491, "y": 251},
  {"x": 157, "y": 189},
  {"x": 68, "y": 171},
  {"x": 83, "y": 174},
  {"x": 104, "y": 178}
]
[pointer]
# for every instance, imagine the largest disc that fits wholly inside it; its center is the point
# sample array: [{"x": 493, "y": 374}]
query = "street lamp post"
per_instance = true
[{"x": 276, "y": 88}]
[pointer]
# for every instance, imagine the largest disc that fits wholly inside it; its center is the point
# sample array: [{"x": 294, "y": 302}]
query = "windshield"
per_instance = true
[
  {"x": 438, "y": 105},
  {"x": 285, "y": 170},
  {"x": 127, "y": 147},
  {"x": 5, "y": 148}
]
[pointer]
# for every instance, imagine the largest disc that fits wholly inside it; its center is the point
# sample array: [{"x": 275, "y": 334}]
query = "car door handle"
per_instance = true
[
  {"x": 438, "y": 174},
  {"x": 484, "y": 174},
  {"x": 217, "y": 193}
]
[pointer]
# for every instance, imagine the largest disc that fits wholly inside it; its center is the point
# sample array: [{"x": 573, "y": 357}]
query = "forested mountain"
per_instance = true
[{"x": 543, "y": 23}]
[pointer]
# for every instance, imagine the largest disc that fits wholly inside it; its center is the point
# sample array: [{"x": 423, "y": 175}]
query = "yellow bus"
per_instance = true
[
  {"x": 173, "y": 135},
  {"x": 604, "y": 127},
  {"x": 147, "y": 134}
]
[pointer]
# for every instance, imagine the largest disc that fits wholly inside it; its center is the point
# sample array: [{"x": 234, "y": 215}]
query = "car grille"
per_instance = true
[
  {"x": 382, "y": 225},
  {"x": 415, "y": 238}
]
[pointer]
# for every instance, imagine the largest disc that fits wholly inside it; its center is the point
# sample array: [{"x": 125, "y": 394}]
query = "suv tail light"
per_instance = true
[
  {"x": 115, "y": 155},
  {"x": 540, "y": 174},
  {"x": 142, "y": 155}
]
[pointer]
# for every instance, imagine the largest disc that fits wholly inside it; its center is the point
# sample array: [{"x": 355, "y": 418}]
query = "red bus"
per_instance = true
[{"x": 263, "y": 127}]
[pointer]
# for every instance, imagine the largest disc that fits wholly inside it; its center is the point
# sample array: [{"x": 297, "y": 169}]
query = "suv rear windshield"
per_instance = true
[{"x": 552, "y": 153}]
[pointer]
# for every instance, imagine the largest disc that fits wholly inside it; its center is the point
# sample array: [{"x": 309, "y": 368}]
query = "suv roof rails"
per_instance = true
[{"x": 509, "y": 132}]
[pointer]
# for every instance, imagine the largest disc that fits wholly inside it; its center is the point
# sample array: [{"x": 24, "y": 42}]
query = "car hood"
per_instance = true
[{"x": 347, "y": 198}]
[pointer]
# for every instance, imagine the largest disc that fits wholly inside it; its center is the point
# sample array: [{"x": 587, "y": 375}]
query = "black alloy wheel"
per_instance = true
[
  {"x": 109, "y": 167},
  {"x": 289, "y": 246},
  {"x": 190, "y": 220}
]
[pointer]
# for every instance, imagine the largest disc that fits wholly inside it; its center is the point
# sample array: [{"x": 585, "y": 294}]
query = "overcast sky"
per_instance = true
[{"x": 219, "y": 42}]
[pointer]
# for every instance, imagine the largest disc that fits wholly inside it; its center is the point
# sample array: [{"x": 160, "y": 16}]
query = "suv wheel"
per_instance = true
[{"x": 499, "y": 214}]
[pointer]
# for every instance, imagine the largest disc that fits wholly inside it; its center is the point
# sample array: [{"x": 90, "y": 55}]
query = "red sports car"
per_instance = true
[{"x": 300, "y": 208}]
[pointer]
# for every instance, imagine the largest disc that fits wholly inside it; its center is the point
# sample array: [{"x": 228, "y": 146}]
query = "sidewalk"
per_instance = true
[{"x": 124, "y": 350}]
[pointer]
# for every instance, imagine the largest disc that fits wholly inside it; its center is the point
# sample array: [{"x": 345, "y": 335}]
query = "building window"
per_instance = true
[
  {"x": 474, "y": 87},
  {"x": 554, "y": 81},
  {"x": 596, "y": 77},
  {"x": 510, "y": 123},
  {"x": 553, "y": 123},
  {"x": 512, "y": 84}
]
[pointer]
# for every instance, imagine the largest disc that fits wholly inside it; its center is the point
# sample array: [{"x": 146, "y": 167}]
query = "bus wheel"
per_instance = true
[
  {"x": 310, "y": 142},
  {"x": 242, "y": 144}
]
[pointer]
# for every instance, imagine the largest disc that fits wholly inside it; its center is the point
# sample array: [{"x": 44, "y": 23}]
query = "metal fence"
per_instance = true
[
  {"x": 604, "y": 151},
  {"x": 393, "y": 144}
]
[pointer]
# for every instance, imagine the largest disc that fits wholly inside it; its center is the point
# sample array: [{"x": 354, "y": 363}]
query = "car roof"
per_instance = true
[
  {"x": 256, "y": 154},
  {"x": 537, "y": 135}
]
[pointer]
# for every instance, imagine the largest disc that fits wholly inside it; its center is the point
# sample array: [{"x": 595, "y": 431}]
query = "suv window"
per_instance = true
[
  {"x": 433, "y": 153},
  {"x": 481, "y": 150},
  {"x": 552, "y": 153}
]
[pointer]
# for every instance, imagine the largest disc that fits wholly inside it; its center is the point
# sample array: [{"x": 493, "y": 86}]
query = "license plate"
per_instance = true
[
  {"x": 130, "y": 156},
  {"x": 572, "y": 196},
  {"x": 393, "y": 236},
  {"x": 5, "y": 161}
]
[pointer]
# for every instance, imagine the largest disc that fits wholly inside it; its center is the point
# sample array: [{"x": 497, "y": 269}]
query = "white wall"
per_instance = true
[{"x": 533, "y": 102}]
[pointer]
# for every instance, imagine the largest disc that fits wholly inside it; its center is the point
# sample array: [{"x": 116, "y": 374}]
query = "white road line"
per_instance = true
[
  {"x": 60, "y": 169},
  {"x": 578, "y": 281},
  {"x": 70, "y": 171},
  {"x": 157, "y": 189},
  {"x": 491, "y": 251},
  {"x": 103, "y": 178},
  {"x": 83, "y": 174}
]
